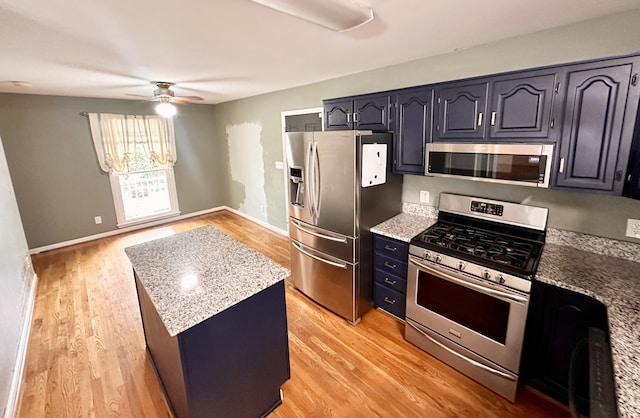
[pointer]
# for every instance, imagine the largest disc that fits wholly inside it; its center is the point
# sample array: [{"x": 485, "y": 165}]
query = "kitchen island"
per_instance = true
[
  {"x": 605, "y": 269},
  {"x": 214, "y": 319}
]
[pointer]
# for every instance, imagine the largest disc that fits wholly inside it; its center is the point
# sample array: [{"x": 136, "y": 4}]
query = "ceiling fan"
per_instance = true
[{"x": 166, "y": 98}]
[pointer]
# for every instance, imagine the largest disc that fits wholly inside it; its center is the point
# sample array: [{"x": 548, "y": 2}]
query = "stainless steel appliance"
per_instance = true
[
  {"x": 340, "y": 184},
  {"x": 468, "y": 286},
  {"x": 522, "y": 164}
]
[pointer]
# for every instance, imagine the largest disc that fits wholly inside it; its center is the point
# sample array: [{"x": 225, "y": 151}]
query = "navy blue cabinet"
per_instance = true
[
  {"x": 599, "y": 118},
  {"x": 461, "y": 111},
  {"x": 521, "y": 107},
  {"x": 390, "y": 275},
  {"x": 558, "y": 320},
  {"x": 369, "y": 112},
  {"x": 517, "y": 107},
  {"x": 632, "y": 179},
  {"x": 413, "y": 121}
]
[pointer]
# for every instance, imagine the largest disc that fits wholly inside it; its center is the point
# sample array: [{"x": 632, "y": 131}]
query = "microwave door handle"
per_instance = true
[
  {"x": 482, "y": 289},
  {"x": 316, "y": 234},
  {"x": 462, "y": 357},
  {"x": 315, "y": 257}
]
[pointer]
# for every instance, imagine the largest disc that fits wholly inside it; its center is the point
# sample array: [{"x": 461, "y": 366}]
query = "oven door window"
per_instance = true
[
  {"x": 482, "y": 313},
  {"x": 529, "y": 168}
]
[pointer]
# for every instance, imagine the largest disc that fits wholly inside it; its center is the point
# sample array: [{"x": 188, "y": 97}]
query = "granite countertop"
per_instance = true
[
  {"x": 193, "y": 275},
  {"x": 403, "y": 227},
  {"x": 614, "y": 281}
]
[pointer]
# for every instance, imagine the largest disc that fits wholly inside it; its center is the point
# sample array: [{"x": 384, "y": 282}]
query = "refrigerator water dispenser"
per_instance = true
[{"x": 296, "y": 186}]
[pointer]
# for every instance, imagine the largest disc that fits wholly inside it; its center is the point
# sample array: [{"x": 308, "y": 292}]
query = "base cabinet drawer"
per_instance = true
[
  {"x": 391, "y": 265},
  {"x": 399, "y": 284},
  {"x": 389, "y": 300}
]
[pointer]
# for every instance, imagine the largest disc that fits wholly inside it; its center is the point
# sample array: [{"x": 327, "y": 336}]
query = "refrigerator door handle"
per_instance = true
[
  {"x": 307, "y": 169},
  {"x": 316, "y": 234},
  {"x": 332, "y": 263},
  {"x": 316, "y": 181}
]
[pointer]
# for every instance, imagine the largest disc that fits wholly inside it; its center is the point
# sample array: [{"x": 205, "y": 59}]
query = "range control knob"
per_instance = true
[
  {"x": 438, "y": 258},
  {"x": 486, "y": 274},
  {"x": 427, "y": 255},
  {"x": 461, "y": 265},
  {"x": 500, "y": 279}
]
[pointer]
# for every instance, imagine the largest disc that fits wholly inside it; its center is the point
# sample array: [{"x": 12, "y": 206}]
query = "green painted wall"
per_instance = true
[
  {"x": 59, "y": 185},
  {"x": 588, "y": 213}
]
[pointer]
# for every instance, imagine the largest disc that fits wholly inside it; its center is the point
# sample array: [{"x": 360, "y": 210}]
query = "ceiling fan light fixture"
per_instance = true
[
  {"x": 338, "y": 15},
  {"x": 166, "y": 109}
]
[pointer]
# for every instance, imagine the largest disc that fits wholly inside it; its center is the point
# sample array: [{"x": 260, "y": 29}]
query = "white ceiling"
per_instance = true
[{"x": 228, "y": 49}]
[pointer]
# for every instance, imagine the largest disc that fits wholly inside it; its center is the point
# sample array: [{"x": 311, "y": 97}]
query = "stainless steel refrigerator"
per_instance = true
[{"x": 339, "y": 185}]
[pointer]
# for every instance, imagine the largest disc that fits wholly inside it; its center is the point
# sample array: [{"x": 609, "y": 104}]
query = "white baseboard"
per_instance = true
[
  {"x": 258, "y": 221},
  {"x": 122, "y": 230},
  {"x": 153, "y": 223},
  {"x": 18, "y": 370}
]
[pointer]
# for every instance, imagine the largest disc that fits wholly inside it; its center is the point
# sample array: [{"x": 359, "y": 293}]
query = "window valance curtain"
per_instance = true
[{"x": 115, "y": 138}]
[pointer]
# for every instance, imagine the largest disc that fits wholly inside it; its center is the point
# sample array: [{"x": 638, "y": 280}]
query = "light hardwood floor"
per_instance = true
[{"x": 86, "y": 354}]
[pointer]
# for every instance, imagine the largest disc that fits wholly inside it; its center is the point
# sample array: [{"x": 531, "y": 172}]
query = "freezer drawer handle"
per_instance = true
[
  {"x": 392, "y": 249},
  {"x": 389, "y": 301},
  {"x": 316, "y": 234},
  {"x": 389, "y": 265},
  {"x": 455, "y": 353},
  {"x": 333, "y": 263}
]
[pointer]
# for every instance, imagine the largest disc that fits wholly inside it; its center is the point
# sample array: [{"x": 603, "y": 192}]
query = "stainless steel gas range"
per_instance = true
[{"x": 468, "y": 286}]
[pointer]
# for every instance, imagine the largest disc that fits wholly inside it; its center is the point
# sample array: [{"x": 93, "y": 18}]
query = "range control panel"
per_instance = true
[{"x": 489, "y": 208}]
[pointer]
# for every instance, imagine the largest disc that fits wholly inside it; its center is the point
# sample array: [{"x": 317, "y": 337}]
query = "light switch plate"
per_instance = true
[
  {"x": 424, "y": 196},
  {"x": 633, "y": 228},
  {"x": 279, "y": 165}
]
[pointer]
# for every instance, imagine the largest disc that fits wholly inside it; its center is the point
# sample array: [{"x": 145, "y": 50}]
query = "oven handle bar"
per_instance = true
[
  {"x": 465, "y": 283},
  {"x": 462, "y": 357},
  {"x": 332, "y": 263}
]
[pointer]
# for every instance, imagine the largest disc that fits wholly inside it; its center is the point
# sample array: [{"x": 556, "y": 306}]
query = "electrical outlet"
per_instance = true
[
  {"x": 98, "y": 220},
  {"x": 633, "y": 228},
  {"x": 424, "y": 196},
  {"x": 279, "y": 165}
]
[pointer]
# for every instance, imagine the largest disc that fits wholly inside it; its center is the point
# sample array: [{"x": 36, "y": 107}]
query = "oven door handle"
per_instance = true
[
  {"x": 462, "y": 357},
  {"x": 482, "y": 289}
]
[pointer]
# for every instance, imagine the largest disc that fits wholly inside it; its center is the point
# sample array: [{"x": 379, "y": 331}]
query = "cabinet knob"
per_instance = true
[{"x": 618, "y": 175}]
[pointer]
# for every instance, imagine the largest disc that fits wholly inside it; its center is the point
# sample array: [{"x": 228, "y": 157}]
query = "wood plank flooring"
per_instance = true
[{"x": 87, "y": 358}]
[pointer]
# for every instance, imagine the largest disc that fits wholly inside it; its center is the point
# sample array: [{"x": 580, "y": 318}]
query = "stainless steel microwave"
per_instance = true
[{"x": 521, "y": 164}]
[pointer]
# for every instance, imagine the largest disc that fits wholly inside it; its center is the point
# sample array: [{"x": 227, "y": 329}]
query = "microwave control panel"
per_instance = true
[{"x": 489, "y": 208}]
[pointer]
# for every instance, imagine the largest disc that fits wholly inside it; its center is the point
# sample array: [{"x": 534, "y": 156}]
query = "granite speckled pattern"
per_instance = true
[
  {"x": 594, "y": 244},
  {"x": 420, "y": 210},
  {"x": 403, "y": 227},
  {"x": 193, "y": 275},
  {"x": 614, "y": 281}
]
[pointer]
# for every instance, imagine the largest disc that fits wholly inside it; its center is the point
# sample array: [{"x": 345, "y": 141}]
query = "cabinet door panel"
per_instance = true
[
  {"x": 592, "y": 131},
  {"x": 461, "y": 112},
  {"x": 372, "y": 113},
  {"x": 522, "y": 108},
  {"x": 337, "y": 115},
  {"x": 414, "y": 130}
]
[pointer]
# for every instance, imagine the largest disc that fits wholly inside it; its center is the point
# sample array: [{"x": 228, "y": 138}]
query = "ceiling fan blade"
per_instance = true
[
  {"x": 138, "y": 95},
  {"x": 187, "y": 99}
]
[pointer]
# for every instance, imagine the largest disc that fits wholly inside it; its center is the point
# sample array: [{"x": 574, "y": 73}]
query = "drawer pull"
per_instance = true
[
  {"x": 392, "y": 249},
  {"x": 389, "y": 301},
  {"x": 391, "y": 282},
  {"x": 389, "y": 265}
]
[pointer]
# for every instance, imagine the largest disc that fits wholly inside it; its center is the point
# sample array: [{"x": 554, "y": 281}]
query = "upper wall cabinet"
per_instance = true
[
  {"x": 413, "y": 121},
  {"x": 514, "y": 107},
  {"x": 461, "y": 110},
  {"x": 370, "y": 112},
  {"x": 521, "y": 107},
  {"x": 599, "y": 118}
]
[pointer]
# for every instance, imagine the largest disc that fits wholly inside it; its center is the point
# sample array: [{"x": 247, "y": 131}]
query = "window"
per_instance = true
[{"x": 138, "y": 153}]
